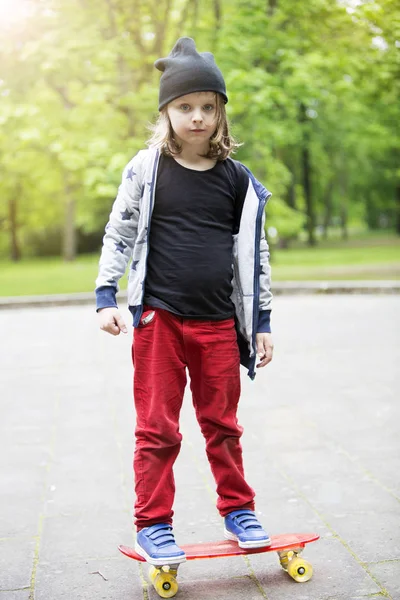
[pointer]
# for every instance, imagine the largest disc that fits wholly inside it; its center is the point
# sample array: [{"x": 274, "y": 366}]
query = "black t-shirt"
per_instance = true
[{"x": 189, "y": 268}]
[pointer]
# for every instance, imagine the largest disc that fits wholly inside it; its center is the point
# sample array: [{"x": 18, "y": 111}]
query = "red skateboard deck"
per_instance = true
[
  {"x": 288, "y": 546},
  {"x": 288, "y": 541}
]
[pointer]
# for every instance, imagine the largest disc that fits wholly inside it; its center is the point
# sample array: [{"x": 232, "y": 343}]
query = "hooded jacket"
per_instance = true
[{"x": 126, "y": 237}]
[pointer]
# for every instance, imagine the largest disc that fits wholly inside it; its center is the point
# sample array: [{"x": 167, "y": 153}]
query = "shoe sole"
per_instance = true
[
  {"x": 246, "y": 545},
  {"x": 159, "y": 562}
]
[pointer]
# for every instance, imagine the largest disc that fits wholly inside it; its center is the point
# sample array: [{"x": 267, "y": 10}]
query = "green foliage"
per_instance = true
[
  {"x": 78, "y": 89},
  {"x": 282, "y": 222}
]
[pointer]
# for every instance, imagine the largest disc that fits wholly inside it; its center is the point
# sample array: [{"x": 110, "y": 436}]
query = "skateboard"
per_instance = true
[{"x": 288, "y": 546}]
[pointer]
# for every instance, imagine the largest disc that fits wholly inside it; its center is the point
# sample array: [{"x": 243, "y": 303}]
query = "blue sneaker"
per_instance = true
[
  {"x": 157, "y": 545},
  {"x": 243, "y": 527}
]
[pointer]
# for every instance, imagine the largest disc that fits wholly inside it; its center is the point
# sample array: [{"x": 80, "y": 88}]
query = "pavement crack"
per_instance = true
[
  {"x": 20, "y": 589},
  {"x": 254, "y": 577},
  {"x": 361, "y": 468},
  {"x": 143, "y": 581},
  {"x": 381, "y": 562},
  {"x": 36, "y": 556}
]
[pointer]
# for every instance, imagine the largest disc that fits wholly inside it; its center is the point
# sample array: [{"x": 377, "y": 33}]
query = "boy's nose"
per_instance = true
[{"x": 197, "y": 115}]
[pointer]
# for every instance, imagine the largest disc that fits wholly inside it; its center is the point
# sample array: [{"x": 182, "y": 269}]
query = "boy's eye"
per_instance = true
[
  {"x": 184, "y": 107},
  {"x": 209, "y": 107}
]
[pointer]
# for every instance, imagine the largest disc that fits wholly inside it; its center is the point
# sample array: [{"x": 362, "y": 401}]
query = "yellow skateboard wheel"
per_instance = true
[
  {"x": 299, "y": 569},
  {"x": 165, "y": 584}
]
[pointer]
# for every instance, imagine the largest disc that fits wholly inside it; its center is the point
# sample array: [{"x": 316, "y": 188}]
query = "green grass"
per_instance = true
[
  {"x": 370, "y": 257},
  {"x": 49, "y": 276},
  {"x": 362, "y": 258}
]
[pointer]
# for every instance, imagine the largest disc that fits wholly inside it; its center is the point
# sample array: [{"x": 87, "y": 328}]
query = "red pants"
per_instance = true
[{"x": 164, "y": 346}]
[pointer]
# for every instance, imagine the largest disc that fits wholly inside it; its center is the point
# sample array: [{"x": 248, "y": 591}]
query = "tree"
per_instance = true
[{"x": 312, "y": 86}]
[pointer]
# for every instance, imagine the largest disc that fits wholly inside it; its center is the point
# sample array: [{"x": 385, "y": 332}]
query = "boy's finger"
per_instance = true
[
  {"x": 113, "y": 329},
  {"x": 121, "y": 324},
  {"x": 264, "y": 362}
]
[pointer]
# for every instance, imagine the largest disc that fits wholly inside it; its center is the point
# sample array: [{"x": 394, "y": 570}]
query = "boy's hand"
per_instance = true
[
  {"x": 265, "y": 348},
  {"x": 111, "y": 321}
]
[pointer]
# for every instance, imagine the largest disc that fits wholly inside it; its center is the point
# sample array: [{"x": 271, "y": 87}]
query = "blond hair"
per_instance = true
[{"x": 222, "y": 143}]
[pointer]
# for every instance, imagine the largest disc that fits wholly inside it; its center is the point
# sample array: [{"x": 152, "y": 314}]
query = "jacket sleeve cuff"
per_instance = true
[
  {"x": 105, "y": 297},
  {"x": 264, "y": 321}
]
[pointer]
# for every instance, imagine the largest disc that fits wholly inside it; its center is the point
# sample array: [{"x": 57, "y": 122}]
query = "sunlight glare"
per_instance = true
[{"x": 13, "y": 10}]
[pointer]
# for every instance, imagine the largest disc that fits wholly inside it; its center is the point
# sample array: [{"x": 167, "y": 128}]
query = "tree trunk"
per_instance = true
[
  {"x": 328, "y": 208},
  {"x": 69, "y": 237},
  {"x": 218, "y": 22},
  {"x": 195, "y": 15},
  {"x": 271, "y": 7},
  {"x": 291, "y": 194},
  {"x": 15, "y": 250},
  {"x": 306, "y": 169},
  {"x": 344, "y": 203},
  {"x": 69, "y": 240},
  {"x": 308, "y": 195},
  {"x": 343, "y": 222}
]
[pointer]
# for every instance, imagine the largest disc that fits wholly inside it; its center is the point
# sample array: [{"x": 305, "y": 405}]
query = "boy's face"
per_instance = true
[{"x": 194, "y": 118}]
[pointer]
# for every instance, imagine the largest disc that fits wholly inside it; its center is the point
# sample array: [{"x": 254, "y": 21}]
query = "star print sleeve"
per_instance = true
[{"x": 120, "y": 236}]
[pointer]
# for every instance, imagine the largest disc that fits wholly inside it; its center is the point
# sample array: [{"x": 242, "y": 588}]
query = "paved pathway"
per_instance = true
[{"x": 321, "y": 447}]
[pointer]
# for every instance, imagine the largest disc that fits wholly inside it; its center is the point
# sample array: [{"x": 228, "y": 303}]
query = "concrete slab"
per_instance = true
[
  {"x": 15, "y": 594},
  {"x": 388, "y": 574},
  {"x": 334, "y": 574},
  {"x": 16, "y": 561},
  {"x": 90, "y": 533},
  {"x": 83, "y": 579},
  {"x": 321, "y": 449}
]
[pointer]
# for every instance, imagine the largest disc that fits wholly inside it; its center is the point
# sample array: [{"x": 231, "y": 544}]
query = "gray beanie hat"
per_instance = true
[{"x": 185, "y": 71}]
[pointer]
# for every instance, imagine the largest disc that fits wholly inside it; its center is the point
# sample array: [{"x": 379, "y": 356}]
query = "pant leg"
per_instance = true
[
  {"x": 159, "y": 384},
  {"x": 213, "y": 362}
]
